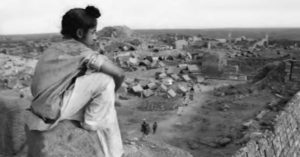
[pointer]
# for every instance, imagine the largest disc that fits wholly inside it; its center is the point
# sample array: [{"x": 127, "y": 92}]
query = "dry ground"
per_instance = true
[{"x": 209, "y": 126}]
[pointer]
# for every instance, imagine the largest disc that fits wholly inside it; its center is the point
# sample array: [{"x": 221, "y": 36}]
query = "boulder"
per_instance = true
[
  {"x": 66, "y": 139},
  {"x": 12, "y": 133}
]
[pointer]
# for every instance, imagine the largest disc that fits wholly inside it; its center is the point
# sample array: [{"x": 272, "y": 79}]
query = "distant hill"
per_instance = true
[
  {"x": 274, "y": 33},
  {"x": 21, "y": 37}
]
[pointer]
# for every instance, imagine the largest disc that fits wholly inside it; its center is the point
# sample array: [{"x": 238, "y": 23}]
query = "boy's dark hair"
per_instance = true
[{"x": 79, "y": 18}]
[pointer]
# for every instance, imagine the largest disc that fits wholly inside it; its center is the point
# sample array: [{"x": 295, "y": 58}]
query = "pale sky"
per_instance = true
[{"x": 44, "y": 16}]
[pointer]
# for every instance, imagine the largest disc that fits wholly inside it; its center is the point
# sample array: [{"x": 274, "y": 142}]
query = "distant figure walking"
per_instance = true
[
  {"x": 154, "y": 127},
  {"x": 145, "y": 128}
]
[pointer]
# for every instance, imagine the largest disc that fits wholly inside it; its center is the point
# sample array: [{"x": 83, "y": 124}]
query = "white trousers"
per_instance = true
[{"x": 91, "y": 101}]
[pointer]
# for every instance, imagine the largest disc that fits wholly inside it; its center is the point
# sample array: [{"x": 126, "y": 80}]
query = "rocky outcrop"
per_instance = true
[
  {"x": 68, "y": 139},
  {"x": 12, "y": 133},
  {"x": 116, "y": 32}
]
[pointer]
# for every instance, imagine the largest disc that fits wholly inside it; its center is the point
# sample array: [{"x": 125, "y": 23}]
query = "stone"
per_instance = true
[
  {"x": 171, "y": 93},
  {"x": 148, "y": 93},
  {"x": 152, "y": 85},
  {"x": 133, "y": 61},
  {"x": 186, "y": 77},
  {"x": 123, "y": 88},
  {"x": 242, "y": 77},
  {"x": 129, "y": 80},
  {"x": 261, "y": 114},
  {"x": 182, "y": 88},
  {"x": 137, "y": 89},
  {"x": 155, "y": 59},
  {"x": 170, "y": 70},
  {"x": 12, "y": 132},
  {"x": 154, "y": 64},
  {"x": 163, "y": 87},
  {"x": 248, "y": 123},
  {"x": 189, "y": 56},
  {"x": 193, "y": 68},
  {"x": 152, "y": 148},
  {"x": 175, "y": 76},
  {"x": 143, "y": 83},
  {"x": 168, "y": 81},
  {"x": 66, "y": 139},
  {"x": 145, "y": 63},
  {"x": 170, "y": 57},
  {"x": 222, "y": 142},
  {"x": 149, "y": 58},
  {"x": 182, "y": 66},
  {"x": 200, "y": 79},
  {"x": 162, "y": 75}
]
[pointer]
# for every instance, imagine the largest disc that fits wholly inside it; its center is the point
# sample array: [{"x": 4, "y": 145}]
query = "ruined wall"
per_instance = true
[{"x": 283, "y": 141}]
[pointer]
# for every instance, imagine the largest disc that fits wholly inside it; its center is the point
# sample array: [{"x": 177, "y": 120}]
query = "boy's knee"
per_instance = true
[{"x": 103, "y": 79}]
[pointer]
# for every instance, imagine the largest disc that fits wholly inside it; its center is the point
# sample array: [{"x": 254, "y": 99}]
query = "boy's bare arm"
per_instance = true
[
  {"x": 101, "y": 63},
  {"x": 117, "y": 73}
]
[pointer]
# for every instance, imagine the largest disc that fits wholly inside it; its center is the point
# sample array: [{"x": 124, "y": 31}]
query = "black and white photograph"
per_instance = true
[{"x": 149, "y": 78}]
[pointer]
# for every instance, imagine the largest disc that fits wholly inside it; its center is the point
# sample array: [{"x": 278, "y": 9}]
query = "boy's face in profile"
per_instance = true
[{"x": 90, "y": 37}]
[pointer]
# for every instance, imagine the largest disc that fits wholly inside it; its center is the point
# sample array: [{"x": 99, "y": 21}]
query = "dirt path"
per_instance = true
[
  {"x": 171, "y": 126},
  {"x": 166, "y": 127}
]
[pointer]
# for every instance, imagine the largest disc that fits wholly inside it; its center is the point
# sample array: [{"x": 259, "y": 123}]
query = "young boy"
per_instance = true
[{"x": 71, "y": 81}]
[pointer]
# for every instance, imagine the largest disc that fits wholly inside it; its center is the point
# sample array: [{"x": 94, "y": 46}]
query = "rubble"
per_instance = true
[
  {"x": 171, "y": 93},
  {"x": 137, "y": 89},
  {"x": 148, "y": 93},
  {"x": 186, "y": 78},
  {"x": 175, "y": 76},
  {"x": 163, "y": 87},
  {"x": 193, "y": 68},
  {"x": 152, "y": 85},
  {"x": 168, "y": 81},
  {"x": 182, "y": 89}
]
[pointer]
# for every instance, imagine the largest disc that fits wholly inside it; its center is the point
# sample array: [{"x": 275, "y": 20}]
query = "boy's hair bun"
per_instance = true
[{"x": 92, "y": 11}]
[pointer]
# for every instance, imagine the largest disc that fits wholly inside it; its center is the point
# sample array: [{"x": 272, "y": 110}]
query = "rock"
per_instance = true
[
  {"x": 162, "y": 75},
  {"x": 123, "y": 88},
  {"x": 193, "y": 68},
  {"x": 151, "y": 148},
  {"x": 137, "y": 89},
  {"x": 182, "y": 66},
  {"x": 222, "y": 142},
  {"x": 171, "y": 93},
  {"x": 168, "y": 81},
  {"x": 186, "y": 77},
  {"x": 261, "y": 114},
  {"x": 152, "y": 85},
  {"x": 122, "y": 97},
  {"x": 163, "y": 87},
  {"x": 129, "y": 80},
  {"x": 200, "y": 79},
  {"x": 148, "y": 93},
  {"x": 161, "y": 64},
  {"x": 182, "y": 88},
  {"x": 66, "y": 139},
  {"x": 248, "y": 123},
  {"x": 12, "y": 133},
  {"x": 193, "y": 145}
]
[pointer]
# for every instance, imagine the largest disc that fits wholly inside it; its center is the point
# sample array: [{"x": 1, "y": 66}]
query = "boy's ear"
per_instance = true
[{"x": 79, "y": 33}]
